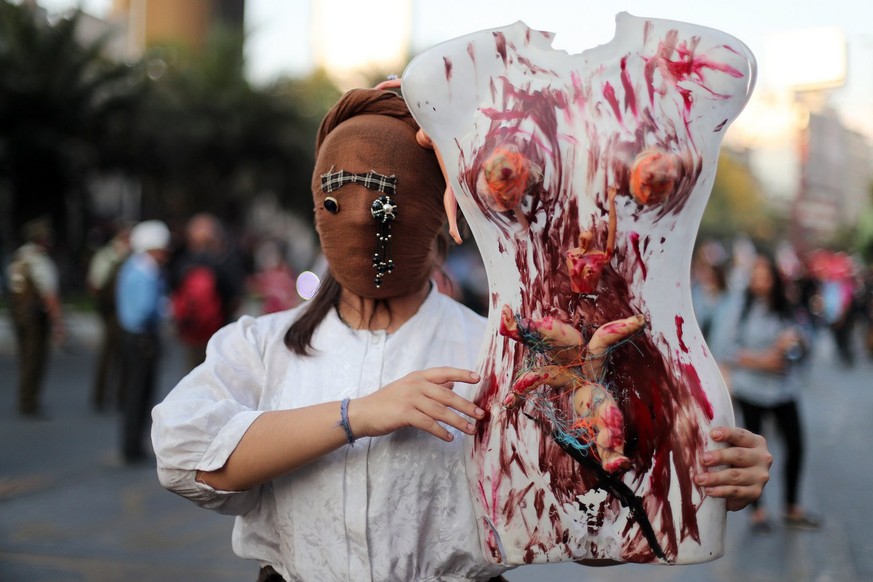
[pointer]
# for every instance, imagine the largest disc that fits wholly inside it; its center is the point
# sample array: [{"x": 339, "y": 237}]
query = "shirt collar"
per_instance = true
[{"x": 428, "y": 308}]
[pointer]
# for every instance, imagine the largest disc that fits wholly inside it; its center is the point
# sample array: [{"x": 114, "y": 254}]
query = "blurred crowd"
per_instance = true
[
  {"x": 146, "y": 278},
  {"x": 829, "y": 293},
  {"x": 762, "y": 312},
  {"x": 144, "y": 281}
]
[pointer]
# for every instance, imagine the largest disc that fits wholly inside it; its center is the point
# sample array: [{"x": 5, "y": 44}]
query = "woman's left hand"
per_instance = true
[{"x": 746, "y": 467}]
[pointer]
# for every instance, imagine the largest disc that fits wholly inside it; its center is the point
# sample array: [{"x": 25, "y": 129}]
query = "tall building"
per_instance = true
[
  {"x": 836, "y": 169},
  {"x": 146, "y": 23},
  {"x": 812, "y": 166}
]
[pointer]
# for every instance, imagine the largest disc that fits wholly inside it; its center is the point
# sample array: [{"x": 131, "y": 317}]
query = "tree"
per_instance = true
[
  {"x": 736, "y": 203},
  {"x": 205, "y": 139},
  {"x": 58, "y": 99}
]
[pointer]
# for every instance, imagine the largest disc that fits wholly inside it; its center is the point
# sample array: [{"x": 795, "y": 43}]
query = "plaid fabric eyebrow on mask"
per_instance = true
[{"x": 371, "y": 180}]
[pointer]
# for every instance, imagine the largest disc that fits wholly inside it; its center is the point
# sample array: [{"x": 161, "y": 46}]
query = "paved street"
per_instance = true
[{"x": 69, "y": 511}]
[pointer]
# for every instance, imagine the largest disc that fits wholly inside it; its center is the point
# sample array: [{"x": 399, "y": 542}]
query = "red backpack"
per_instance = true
[{"x": 197, "y": 306}]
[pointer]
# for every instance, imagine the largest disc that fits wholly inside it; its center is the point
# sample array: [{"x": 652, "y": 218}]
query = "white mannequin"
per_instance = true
[{"x": 583, "y": 179}]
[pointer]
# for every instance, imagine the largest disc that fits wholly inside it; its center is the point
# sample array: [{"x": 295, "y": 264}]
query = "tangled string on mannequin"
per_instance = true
[{"x": 559, "y": 357}]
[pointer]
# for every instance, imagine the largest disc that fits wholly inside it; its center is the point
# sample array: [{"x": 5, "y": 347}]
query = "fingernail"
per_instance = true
[
  {"x": 471, "y": 428},
  {"x": 474, "y": 376},
  {"x": 480, "y": 412},
  {"x": 707, "y": 457},
  {"x": 717, "y": 433}
]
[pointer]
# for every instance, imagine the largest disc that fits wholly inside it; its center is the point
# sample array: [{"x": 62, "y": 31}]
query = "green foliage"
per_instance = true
[
  {"x": 208, "y": 140},
  {"x": 736, "y": 204},
  {"x": 58, "y": 99},
  {"x": 183, "y": 123}
]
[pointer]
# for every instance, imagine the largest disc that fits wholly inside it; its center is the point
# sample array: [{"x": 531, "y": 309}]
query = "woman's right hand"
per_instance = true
[{"x": 421, "y": 400}]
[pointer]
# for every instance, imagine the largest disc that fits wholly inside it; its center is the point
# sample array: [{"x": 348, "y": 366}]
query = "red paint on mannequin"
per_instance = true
[
  {"x": 447, "y": 64},
  {"x": 609, "y": 95},
  {"x": 634, "y": 238},
  {"x": 630, "y": 98},
  {"x": 500, "y": 44},
  {"x": 680, "y": 321}
]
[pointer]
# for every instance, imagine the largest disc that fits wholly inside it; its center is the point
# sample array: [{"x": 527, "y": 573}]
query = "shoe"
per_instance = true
[
  {"x": 804, "y": 522},
  {"x": 762, "y": 527}
]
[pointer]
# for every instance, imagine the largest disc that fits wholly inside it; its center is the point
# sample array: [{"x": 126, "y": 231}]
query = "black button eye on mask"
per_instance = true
[{"x": 331, "y": 205}]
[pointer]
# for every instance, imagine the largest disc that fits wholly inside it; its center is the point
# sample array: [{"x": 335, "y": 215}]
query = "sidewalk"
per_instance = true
[{"x": 69, "y": 511}]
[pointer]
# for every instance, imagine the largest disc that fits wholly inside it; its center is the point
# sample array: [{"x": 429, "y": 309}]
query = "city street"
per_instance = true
[{"x": 70, "y": 511}]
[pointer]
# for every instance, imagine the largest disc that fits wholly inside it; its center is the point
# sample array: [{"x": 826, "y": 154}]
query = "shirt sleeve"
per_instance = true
[
  {"x": 44, "y": 274},
  {"x": 201, "y": 421},
  {"x": 99, "y": 269}
]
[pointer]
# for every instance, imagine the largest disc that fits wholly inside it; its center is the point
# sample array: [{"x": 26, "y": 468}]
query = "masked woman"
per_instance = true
[{"x": 333, "y": 430}]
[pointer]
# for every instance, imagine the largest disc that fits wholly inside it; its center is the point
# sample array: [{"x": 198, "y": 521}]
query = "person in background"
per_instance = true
[
  {"x": 102, "y": 279},
  {"x": 765, "y": 344},
  {"x": 140, "y": 300},
  {"x": 207, "y": 283},
  {"x": 333, "y": 430},
  {"x": 274, "y": 281},
  {"x": 37, "y": 316},
  {"x": 711, "y": 300},
  {"x": 804, "y": 293},
  {"x": 838, "y": 299},
  {"x": 709, "y": 294}
]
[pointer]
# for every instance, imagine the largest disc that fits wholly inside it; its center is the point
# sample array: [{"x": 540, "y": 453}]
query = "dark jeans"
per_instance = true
[
  {"x": 140, "y": 353},
  {"x": 842, "y": 334},
  {"x": 107, "y": 374},
  {"x": 788, "y": 424}
]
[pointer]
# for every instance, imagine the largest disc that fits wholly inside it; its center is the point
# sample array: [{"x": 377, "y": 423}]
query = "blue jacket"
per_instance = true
[{"x": 140, "y": 294}]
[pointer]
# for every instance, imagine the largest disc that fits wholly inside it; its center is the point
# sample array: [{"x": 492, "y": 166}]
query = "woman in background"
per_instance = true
[{"x": 766, "y": 343}]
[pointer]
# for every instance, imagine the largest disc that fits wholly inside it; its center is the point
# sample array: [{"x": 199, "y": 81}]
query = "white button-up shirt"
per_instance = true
[{"x": 396, "y": 507}]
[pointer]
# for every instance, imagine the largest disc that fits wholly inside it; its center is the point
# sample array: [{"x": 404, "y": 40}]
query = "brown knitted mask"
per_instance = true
[{"x": 372, "y": 131}]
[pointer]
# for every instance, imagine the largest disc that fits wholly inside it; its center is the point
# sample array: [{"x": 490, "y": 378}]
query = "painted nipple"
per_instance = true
[
  {"x": 654, "y": 176},
  {"x": 505, "y": 177}
]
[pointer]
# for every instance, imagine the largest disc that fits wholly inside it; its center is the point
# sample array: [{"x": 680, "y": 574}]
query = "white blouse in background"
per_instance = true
[{"x": 396, "y": 507}]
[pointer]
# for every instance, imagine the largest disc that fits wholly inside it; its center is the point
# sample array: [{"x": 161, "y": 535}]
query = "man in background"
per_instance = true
[
  {"x": 36, "y": 312},
  {"x": 102, "y": 278},
  {"x": 141, "y": 303}
]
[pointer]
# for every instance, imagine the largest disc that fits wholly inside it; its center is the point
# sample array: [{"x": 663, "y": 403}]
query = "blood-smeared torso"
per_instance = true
[{"x": 583, "y": 179}]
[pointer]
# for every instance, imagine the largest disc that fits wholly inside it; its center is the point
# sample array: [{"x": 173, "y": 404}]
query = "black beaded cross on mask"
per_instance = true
[{"x": 383, "y": 209}]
